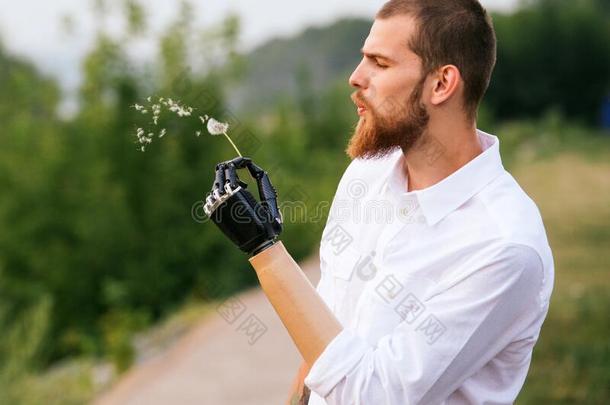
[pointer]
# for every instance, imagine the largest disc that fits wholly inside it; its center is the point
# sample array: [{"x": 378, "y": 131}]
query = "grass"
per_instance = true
[
  {"x": 571, "y": 362},
  {"x": 79, "y": 380}
]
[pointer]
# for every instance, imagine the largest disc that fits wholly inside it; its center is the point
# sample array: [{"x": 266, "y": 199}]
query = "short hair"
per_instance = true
[{"x": 456, "y": 32}]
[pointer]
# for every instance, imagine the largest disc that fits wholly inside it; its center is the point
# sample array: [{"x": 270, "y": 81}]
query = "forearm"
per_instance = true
[
  {"x": 297, "y": 395},
  {"x": 310, "y": 323}
]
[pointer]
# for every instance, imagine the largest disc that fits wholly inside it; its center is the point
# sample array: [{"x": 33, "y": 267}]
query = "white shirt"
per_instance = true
[{"x": 441, "y": 292}]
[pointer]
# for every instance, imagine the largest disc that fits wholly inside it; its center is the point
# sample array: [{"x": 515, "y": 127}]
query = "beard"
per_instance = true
[{"x": 396, "y": 125}]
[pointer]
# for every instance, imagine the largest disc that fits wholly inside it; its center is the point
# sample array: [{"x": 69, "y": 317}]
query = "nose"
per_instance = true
[{"x": 358, "y": 78}]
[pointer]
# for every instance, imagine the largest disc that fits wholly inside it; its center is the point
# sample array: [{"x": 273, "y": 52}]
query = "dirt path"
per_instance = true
[{"x": 220, "y": 363}]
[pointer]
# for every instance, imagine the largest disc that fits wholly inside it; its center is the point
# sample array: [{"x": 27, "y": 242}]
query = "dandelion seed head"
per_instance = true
[{"x": 217, "y": 127}]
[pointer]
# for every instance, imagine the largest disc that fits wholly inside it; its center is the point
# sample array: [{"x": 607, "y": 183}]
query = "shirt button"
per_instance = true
[{"x": 406, "y": 211}]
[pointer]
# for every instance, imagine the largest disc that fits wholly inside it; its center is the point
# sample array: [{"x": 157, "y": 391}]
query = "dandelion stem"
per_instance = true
[{"x": 235, "y": 147}]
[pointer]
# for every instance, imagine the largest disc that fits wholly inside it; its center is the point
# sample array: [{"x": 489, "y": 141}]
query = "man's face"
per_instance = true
[{"x": 389, "y": 87}]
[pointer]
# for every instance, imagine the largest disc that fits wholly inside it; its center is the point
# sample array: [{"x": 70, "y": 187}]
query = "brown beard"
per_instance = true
[{"x": 378, "y": 135}]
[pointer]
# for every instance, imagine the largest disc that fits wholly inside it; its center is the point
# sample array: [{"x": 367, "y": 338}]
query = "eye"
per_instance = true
[{"x": 380, "y": 65}]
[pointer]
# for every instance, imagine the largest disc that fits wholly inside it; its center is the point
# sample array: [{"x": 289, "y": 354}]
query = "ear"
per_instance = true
[{"x": 446, "y": 82}]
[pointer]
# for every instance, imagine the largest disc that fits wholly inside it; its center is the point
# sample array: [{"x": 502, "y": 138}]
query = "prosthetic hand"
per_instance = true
[{"x": 253, "y": 226}]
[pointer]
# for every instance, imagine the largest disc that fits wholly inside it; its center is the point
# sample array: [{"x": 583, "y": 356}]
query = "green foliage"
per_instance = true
[
  {"x": 136, "y": 17},
  {"x": 552, "y": 54},
  {"x": 23, "y": 334},
  {"x": 103, "y": 230},
  {"x": 118, "y": 328}
]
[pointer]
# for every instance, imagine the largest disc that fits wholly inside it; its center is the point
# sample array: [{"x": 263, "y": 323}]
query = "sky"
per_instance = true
[{"x": 33, "y": 28}]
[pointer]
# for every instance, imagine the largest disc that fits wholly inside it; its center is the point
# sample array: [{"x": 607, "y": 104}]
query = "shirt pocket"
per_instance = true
[{"x": 336, "y": 270}]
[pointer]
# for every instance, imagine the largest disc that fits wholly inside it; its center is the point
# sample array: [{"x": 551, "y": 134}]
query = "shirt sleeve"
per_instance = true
[{"x": 468, "y": 323}]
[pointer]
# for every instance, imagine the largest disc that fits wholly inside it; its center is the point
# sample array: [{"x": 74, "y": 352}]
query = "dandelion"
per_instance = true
[
  {"x": 221, "y": 128},
  {"x": 216, "y": 127},
  {"x": 213, "y": 126}
]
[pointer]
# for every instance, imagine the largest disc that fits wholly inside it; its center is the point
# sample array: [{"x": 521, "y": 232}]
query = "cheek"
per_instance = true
[{"x": 390, "y": 91}]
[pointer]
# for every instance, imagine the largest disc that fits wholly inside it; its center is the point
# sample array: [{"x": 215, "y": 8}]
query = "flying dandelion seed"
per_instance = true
[{"x": 213, "y": 126}]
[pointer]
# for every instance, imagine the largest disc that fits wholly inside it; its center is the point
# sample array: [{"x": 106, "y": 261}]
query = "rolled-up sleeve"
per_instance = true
[{"x": 469, "y": 321}]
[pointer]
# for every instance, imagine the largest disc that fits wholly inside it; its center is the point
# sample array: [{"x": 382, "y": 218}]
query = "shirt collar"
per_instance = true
[{"x": 444, "y": 197}]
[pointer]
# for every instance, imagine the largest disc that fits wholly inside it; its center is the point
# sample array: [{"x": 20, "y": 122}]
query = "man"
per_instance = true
[{"x": 436, "y": 273}]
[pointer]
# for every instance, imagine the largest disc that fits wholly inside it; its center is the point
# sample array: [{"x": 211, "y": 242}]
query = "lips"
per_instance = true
[{"x": 360, "y": 105}]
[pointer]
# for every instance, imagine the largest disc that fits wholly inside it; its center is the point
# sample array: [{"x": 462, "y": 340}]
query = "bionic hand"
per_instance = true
[{"x": 253, "y": 226}]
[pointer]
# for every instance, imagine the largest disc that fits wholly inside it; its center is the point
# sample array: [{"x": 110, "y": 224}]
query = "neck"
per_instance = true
[{"x": 442, "y": 150}]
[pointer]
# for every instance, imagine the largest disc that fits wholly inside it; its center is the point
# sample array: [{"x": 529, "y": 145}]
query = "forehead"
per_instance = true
[{"x": 390, "y": 37}]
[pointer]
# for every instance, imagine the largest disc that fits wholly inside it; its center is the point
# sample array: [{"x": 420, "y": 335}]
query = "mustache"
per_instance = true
[{"x": 359, "y": 99}]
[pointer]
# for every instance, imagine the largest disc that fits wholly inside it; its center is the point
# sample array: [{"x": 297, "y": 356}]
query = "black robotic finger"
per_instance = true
[
  {"x": 240, "y": 162},
  {"x": 231, "y": 175},
  {"x": 219, "y": 182}
]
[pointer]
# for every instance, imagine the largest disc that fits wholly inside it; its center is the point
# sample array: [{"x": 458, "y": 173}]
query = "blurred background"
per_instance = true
[{"x": 102, "y": 246}]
